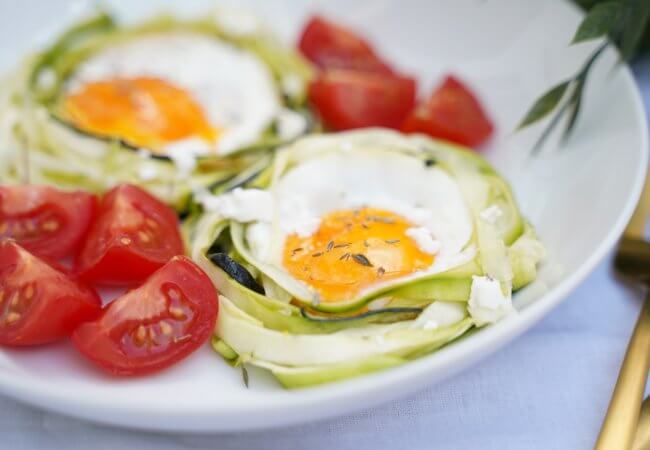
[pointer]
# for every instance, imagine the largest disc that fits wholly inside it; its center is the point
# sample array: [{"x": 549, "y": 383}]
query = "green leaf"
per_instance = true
[
  {"x": 545, "y": 104},
  {"x": 599, "y": 22},
  {"x": 634, "y": 20},
  {"x": 575, "y": 102}
]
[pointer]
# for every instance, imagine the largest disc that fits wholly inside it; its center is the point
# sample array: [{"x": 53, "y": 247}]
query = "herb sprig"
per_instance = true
[{"x": 623, "y": 22}]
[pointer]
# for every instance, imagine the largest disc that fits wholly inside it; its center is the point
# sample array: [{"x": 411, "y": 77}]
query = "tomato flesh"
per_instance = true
[
  {"x": 38, "y": 303},
  {"x": 331, "y": 46},
  {"x": 44, "y": 220},
  {"x": 452, "y": 113},
  {"x": 345, "y": 99},
  {"x": 154, "y": 326},
  {"x": 133, "y": 235}
]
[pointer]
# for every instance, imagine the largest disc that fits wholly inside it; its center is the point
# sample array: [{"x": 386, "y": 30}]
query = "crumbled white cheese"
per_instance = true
[
  {"x": 290, "y": 124},
  {"x": 184, "y": 153},
  {"x": 242, "y": 205},
  {"x": 487, "y": 302},
  {"x": 491, "y": 214},
  {"x": 440, "y": 314},
  {"x": 147, "y": 172},
  {"x": 305, "y": 227},
  {"x": 258, "y": 237},
  {"x": 292, "y": 85},
  {"x": 424, "y": 240}
]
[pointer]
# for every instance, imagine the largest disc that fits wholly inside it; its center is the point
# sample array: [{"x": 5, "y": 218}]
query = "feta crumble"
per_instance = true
[
  {"x": 487, "y": 303},
  {"x": 242, "y": 205},
  {"x": 491, "y": 214},
  {"x": 290, "y": 124},
  {"x": 424, "y": 240}
]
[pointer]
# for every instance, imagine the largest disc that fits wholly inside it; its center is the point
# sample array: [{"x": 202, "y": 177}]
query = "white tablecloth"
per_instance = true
[{"x": 548, "y": 390}]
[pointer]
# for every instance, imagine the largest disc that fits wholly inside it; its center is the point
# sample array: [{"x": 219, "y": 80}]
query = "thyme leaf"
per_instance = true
[{"x": 361, "y": 259}]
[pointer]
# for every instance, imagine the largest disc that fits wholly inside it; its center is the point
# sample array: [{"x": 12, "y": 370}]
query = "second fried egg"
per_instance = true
[{"x": 175, "y": 90}]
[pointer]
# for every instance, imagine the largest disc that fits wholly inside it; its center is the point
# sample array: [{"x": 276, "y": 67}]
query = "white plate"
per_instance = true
[{"x": 579, "y": 199}]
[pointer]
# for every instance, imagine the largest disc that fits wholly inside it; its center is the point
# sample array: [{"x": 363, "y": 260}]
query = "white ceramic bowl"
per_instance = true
[{"x": 579, "y": 198}]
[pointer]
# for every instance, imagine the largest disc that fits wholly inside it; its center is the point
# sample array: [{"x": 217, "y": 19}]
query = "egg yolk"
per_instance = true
[
  {"x": 353, "y": 249},
  {"x": 146, "y": 112}
]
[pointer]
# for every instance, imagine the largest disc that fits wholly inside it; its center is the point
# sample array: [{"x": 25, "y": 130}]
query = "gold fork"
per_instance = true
[{"x": 633, "y": 261}]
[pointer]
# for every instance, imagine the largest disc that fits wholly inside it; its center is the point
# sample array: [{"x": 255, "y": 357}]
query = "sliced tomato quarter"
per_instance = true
[
  {"x": 454, "y": 113},
  {"x": 132, "y": 236},
  {"x": 330, "y": 46},
  {"x": 345, "y": 99},
  {"x": 46, "y": 221},
  {"x": 38, "y": 303},
  {"x": 154, "y": 326}
]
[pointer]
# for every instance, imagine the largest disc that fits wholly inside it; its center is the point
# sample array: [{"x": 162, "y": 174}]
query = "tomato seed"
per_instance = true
[
  {"x": 144, "y": 237},
  {"x": 50, "y": 225},
  {"x": 152, "y": 336},
  {"x": 151, "y": 223},
  {"x": 177, "y": 313},
  {"x": 166, "y": 328},
  {"x": 183, "y": 338},
  {"x": 15, "y": 299},
  {"x": 3, "y": 227},
  {"x": 125, "y": 241},
  {"x": 140, "y": 335},
  {"x": 2, "y": 296},
  {"x": 29, "y": 292},
  {"x": 12, "y": 317}
]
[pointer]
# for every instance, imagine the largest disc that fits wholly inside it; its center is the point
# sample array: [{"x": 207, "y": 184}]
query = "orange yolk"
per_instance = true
[
  {"x": 147, "y": 112},
  {"x": 353, "y": 249}
]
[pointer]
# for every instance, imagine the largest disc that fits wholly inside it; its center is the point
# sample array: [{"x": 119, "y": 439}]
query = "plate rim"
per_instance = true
[{"x": 301, "y": 408}]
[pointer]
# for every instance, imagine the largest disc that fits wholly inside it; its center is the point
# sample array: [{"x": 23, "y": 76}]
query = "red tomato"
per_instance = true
[
  {"x": 133, "y": 235},
  {"x": 46, "y": 221},
  {"x": 345, "y": 99},
  {"x": 453, "y": 113},
  {"x": 38, "y": 303},
  {"x": 154, "y": 326},
  {"x": 330, "y": 46}
]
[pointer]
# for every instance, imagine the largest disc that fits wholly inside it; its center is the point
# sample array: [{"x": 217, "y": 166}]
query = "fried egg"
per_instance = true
[
  {"x": 345, "y": 225},
  {"x": 174, "y": 91}
]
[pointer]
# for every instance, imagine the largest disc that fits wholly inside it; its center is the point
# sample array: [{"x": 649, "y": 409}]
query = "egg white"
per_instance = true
[
  {"x": 234, "y": 88},
  {"x": 427, "y": 196}
]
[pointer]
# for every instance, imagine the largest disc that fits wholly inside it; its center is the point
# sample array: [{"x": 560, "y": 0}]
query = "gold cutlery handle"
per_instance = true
[{"x": 619, "y": 427}]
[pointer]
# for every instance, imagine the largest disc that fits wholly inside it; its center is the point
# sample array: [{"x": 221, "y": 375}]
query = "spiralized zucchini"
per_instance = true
[
  {"x": 303, "y": 343},
  {"x": 35, "y": 138}
]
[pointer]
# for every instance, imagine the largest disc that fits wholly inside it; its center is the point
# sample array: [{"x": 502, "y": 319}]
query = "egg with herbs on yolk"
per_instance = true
[
  {"x": 171, "y": 91},
  {"x": 341, "y": 226},
  {"x": 352, "y": 250}
]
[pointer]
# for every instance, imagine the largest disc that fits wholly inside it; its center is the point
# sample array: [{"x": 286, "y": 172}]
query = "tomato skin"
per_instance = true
[
  {"x": 347, "y": 100},
  {"x": 40, "y": 304},
  {"x": 133, "y": 235},
  {"x": 452, "y": 113},
  {"x": 330, "y": 46},
  {"x": 46, "y": 221},
  {"x": 129, "y": 338}
]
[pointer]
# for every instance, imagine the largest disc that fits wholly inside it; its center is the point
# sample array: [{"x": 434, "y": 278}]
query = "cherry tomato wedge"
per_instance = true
[
  {"x": 154, "y": 326},
  {"x": 38, "y": 303},
  {"x": 44, "y": 220},
  {"x": 345, "y": 99},
  {"x": 453, "y": 113},
  {"x": 330, "y": 46},
  {"x": 133, "y": 235}
]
